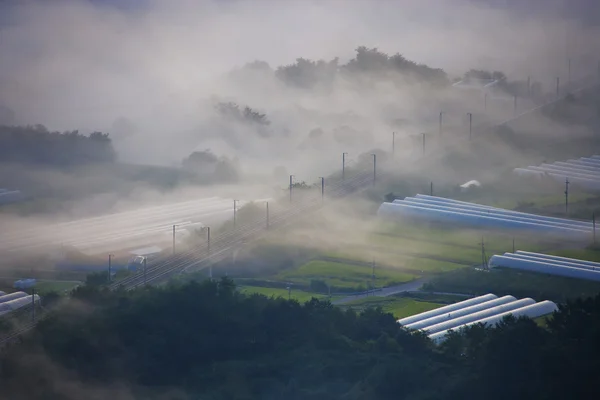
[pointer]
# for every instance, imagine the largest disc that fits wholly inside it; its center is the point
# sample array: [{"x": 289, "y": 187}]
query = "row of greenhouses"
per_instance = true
[
  {"x": 547, "y": 264},
  {"x": 584, "y": 172},
  {"x": 455, "y": 212},
  {"x": 14, "y": 301},
  {"x": 488, "y": 310}
]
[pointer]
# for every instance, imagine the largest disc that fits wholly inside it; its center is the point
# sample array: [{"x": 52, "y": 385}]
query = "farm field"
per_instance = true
[
  {"x": 400, "y": 307},
  {"x": 342, "y": 275},
  {"x": 583, "y": 254},
  {"x": 43, "y": 287}
]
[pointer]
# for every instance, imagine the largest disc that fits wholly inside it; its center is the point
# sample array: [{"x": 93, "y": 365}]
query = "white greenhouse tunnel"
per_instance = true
[
  {"x": 531, "y": 311},
  {"x": 584, "y": 172},
  {"x": 488, "y": 310},
  {"x": 439, "y": 209},
  {"x": 547, "y": 264},
  {"x": 446, "y": 309}
]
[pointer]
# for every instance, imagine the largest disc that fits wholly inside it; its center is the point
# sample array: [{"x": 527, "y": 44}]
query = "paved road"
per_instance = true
[{"x": 388, "y": 291}]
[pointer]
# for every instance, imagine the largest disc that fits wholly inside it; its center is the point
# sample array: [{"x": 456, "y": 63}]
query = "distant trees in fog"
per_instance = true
[
  {"x": 208, "y": 168},
  {"x": 37, "y": 145},
  {"x": 369, "y": 63}
]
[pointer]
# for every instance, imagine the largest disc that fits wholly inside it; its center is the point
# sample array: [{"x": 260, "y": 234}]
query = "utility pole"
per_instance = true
[
  {"x": 373, "y": 274},
  {"x": 322, "y": 188},
  {"x": 513, "y": 244},
  {"x": 291, "y": 185},
  {"x": 110, "y": 256},
  {"x": 567, "y": 197},
  {"x": 557, "y": 87},
  {"x": 594, "y": 226},
  {"x": 393, "y": 144},
  {"x": 344, "y": 166},
  {"x": 569, "y": 73},
  {"x": 267, "y": 215},
  {"x": 235, "y": 213},
  {"x": 431, "y": 188},
  {"x": 33, "y": 304},
  {"x": 145, "y": 265},
  {"x": 174, "y": 226},
  {"x": 483, "y": 260},
  {"x": 289, "y": 288},
  {"x": 374, "y": 167},
  {"x": 485, "y": 97},
  {"x": 423, "y": 143},
  {"x": 440, "y": 127},
  {"x": 208, "y": 240},
  {"x": 470, "y": 125}
]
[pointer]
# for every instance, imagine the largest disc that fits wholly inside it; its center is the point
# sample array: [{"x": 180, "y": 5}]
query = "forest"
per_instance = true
[
  {"x": 205, "y": 340},
  {"x": 37, "y": 145}
]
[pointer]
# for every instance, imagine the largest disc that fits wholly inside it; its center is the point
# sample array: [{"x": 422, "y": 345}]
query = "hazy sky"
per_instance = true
[{"x": 73, "y": 64}]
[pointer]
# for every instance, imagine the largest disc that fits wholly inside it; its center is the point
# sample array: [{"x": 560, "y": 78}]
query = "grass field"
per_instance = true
[
  {"x": 399, "y": 307},
  {"x": 394, "y": 260},
  {"x": 298, "y": 295},
  {"x": 342, "y": 275},
  {"x": 582, "y": 254},
  {"x": 44, "y": 287}
]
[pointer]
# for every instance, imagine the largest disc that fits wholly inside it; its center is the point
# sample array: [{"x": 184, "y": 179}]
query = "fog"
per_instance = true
[
  {"x": 80, "y": 65},
  {"x": 150, "y": 73}
]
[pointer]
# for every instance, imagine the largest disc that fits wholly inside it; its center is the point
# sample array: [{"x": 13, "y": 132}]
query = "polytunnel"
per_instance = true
[
  {"x": 498, "y": 214},
  {"x": 392, "y": 210},
  {"x": 531, "y": 311},
  {"x": 460, "y": 312},
  {"x": 544, "y": 267},
  {"x": 465, "y": 204},
  {"x": 541, "y": 258},
  {"x": 12, "y": 296},
  {"x": 584, "y": 172},
  {"x": 559, "y": 258},
  {"x": 15, "y": 304},
  {"x": 447, "y": 309},
  {"x": 452, "y": 323}
]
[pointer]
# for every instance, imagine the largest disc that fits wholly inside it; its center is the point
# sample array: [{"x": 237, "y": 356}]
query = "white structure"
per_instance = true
[
  {"x": 546, "y": 264},
  {"x": 12, "y": 305},
  {"x": 453, "y": 323},
  {"x": 425, "y": 323},
  {"x": 469, "y": 185},
  {"x": 12, "y": 296},
  {"x": 441, "y": 209},
  {"x": 584, "y": 172},
  {"x": 531, "y": 311},
  {"x": 446, "y": 309}
]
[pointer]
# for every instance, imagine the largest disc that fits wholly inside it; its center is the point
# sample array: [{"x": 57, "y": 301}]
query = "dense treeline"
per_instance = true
[
  {"x": 37, "y": 145},
  {"x": 211, "y": 342},
  {"x": 369, "y": 66}
]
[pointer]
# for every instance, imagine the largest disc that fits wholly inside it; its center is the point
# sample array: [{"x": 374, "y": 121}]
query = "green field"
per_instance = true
[
  {"x": 44, "y": 287},
  {"x": 582, "y": 254},
  {"x": 298, "y": 295},
  {"x": 393, "y": 260},
  {"x": 399, "y": 307},
  {"x": 342, "y": 275}
]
